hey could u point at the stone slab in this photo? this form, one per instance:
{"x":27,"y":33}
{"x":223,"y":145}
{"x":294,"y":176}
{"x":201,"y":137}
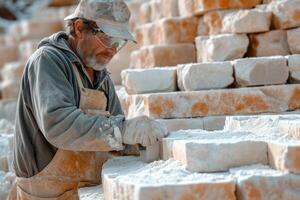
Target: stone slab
{"x":8,"y":54}
{"x":168,"y":31}
{"x":163,"y":55}
{"x":202,"y":76}
{"x":91,"y":193}
{"x":261,"y":71}
{"x":273,"y":99}
{"x":170,"y":8}
{"x":293,"y":40}
{"x":294,"y":68}
{"x":129,"y":178}
{"x":138,"y":81}
{"x":224,"y":47}
{"x":207,"y":151}
{"x":27,"y":48}
{"x":13,"y":70}
{"x":268,"y":44}
{"x":198,"y":7}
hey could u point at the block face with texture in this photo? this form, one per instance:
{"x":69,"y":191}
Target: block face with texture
{"x":268,"y":44}
{"x":12,"y":70}
{"x":293,"y":40}
{"x":201,"y":76}
{"x":239,"y":101}
{"x":170,"y":8}
{"x":261,"y":71}
{"x":238,"y":21}
{"x":221,"y":47}
{"x":285,"y":156}
{"x":198,"y":7}
{"x":294,"y":68}
{"x":207,"y":153}
{"x":168,"y":31}
{"x":286,"y":13}
{"x":140,"y":181}
{"x":163,"y":55}
{"x":7,"y":54}
{"x":138,"y":81}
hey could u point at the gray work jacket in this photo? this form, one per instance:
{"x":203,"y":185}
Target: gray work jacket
{"x":48,"y":115}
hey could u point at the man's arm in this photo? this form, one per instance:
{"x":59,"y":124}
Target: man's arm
{"x":62,"y":123}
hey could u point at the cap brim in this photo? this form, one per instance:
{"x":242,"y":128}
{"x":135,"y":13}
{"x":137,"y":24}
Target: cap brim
{"x":70,"y":17}
{"x":120,"y":31}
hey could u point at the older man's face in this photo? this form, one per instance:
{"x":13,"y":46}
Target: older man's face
{"x":93,"y":52}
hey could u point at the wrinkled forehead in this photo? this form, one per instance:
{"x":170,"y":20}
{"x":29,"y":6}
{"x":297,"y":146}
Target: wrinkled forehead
{"x":106,"y":9}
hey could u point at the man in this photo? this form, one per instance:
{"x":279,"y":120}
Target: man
{"x":69,"y":116}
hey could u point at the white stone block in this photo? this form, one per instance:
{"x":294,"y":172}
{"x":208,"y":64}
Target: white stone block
{"x":221,"y":47}
{"x":150,"y":153}
{"x":261,"y":71}
{"x":27,"y":48}
{"x":91,"y":193}
{"x":203,"y":76}
{"x":293,"y":40}
{"x":138,"y":81}
{"x":294,"y":68}
{"x":13,"y":70}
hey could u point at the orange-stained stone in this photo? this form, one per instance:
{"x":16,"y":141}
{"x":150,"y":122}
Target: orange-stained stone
{"x":294,"y":158}
{"x":255,"y":103}
{"x":295,"y":99}
{"x":253,"y":191}
{"x":200,"y":108}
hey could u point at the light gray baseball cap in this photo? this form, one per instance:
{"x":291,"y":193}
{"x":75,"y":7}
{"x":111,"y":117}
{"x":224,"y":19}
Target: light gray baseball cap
{"x":111,"y":16}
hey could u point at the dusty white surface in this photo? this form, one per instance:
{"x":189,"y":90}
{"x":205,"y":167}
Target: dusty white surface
{"x":221,"y":47}
{"x":91,"y":193}
{"x":261,"y":71}
{"x":293,"y":40}
{"x":294,"y":67}
{"x":138,"y":81}
{"x":202,"y":76}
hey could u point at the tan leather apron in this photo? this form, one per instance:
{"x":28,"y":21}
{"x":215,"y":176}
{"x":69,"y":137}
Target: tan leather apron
{"x":68,"y":170}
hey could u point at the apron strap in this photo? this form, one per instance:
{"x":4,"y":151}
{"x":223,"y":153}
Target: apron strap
{"x":78,"y":77}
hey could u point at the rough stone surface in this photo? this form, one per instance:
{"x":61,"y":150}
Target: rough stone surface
{"x":198,"y":7}
{"x":13,"y":70}
{"x":202,"y":76}
{"x":91,"y":193}
{"x":206,"y":153}
{"x":261,"y":71}
{"x":129,"y":178}
{"x":138,"y":81}
{"x":203,"y":28}
{"x":163,"y":55}
{"x":263,"y":183}
{"x":7,"y":54}
{"x":168,"y":31}
{"x":268,"y":44}
{"x":274,"y":99}
{"x":238,"y":21}
{"x":27,"y":48}
{"x":170,"y":8}
{"x":286,"y":13}
{"x":221,"y":47}
{"x":293,"y":40}
{"x":294,"y":68}
{"x":151,"y":11}
{"x":285,"y":157}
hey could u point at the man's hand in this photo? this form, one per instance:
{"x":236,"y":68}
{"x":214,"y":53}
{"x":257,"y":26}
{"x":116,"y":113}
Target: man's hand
{"x":143,"y":130}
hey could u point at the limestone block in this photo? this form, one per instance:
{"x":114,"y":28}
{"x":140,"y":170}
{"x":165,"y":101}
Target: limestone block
{"x":135,"y":9}
{"x":91,"y":193}
{"x":268,"y":44}
{"x":151,"y":153}
{"x":10,"y":89}
{"x":261,"y":71}
{"x":202,"y":28}
{"x":198,"y":7}
{"x":37,"y":29}
{"x":286,"y":13}
{"x":221,"y":47}
{"x":7,"y":54}
{"x":213,"y":123}
{"x":168,"y":31}
{"x":27,"y":48}
{"x":285,"y":156}
{"x":151,"y":11}
{"x":163,"y":55}
{"x":8,"y":109}
{"x":58,"y":3}
{"x":214,"y":20}
{"x":13,"y":70}
{"x":247,"y":21}
{"x":293,"y":40}
{"x":202,"y":76}
{"x":208,"y":156}
{"x":129,"y":178}
{"x":145,"y":13}
{"x":274,"y":99}
{"x":294,"y":68}
{"x":261,"y":182}
{"x":138,"y":81}
{"x":170,"y":8}
{"x":7,"y":40}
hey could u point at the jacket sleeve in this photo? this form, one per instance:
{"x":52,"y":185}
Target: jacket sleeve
{"x":63,"y":124}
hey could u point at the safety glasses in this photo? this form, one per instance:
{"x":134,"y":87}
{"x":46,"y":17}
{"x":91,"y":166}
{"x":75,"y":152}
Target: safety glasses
{"x":108,"y":41}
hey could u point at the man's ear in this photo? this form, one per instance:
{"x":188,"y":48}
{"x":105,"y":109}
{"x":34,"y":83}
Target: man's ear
{"x":78,"y":27}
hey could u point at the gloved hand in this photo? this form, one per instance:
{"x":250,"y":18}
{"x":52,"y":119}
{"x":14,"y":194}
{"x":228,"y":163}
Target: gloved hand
{"x":143,"y":130}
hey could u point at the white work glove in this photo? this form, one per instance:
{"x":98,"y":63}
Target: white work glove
{"x":143,"y":130}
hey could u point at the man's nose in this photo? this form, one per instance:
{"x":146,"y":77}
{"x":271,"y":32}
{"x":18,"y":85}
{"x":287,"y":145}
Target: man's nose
{"x":112,"y":50}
